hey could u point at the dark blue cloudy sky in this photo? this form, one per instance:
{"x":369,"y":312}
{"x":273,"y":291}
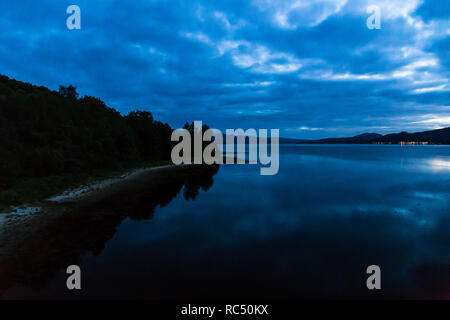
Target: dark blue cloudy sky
{"x":308,"y":67}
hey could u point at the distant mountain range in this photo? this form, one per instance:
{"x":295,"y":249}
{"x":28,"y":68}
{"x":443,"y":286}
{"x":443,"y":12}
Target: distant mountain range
{"x":439,"y":136}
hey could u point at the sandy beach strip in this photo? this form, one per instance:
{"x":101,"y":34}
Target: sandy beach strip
{"x":104,"y":188}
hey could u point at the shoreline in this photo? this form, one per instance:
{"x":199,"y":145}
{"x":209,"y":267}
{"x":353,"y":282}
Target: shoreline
{"x":84,"y":219}
{"x":102,"y":189}
{"x":96,"y":190}
{"x":97,"y":187}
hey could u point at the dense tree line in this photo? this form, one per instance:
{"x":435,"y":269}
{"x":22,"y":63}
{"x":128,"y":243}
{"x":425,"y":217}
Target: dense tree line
{"x":44,"y":132}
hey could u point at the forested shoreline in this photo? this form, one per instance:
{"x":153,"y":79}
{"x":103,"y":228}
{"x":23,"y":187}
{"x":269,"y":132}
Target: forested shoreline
{"x":51,"y":139}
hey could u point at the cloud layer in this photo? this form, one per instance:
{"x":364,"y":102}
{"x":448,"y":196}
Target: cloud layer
{"x":311,"y":68}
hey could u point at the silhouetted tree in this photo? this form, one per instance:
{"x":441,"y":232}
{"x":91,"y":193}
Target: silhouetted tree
{"x":68,"y":92}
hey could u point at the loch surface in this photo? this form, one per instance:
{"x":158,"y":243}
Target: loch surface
{"x":308,"y":232}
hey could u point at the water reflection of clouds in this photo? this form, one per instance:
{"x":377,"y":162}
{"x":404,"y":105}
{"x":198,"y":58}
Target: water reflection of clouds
{"x":438,"y":164}
{"x":329,"y":209}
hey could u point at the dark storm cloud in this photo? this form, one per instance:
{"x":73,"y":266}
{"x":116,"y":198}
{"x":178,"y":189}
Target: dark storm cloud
{"x":310,"y":68}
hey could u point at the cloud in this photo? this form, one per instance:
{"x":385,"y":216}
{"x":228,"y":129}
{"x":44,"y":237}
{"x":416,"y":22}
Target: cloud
{"x":290,"y":14}
{"x":431,"y":89}
{"x":265,"y":64}
{"x":304,"y":128}
{"x":433,"y":120}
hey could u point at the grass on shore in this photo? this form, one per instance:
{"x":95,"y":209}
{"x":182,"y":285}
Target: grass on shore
{"x":30,"y":191}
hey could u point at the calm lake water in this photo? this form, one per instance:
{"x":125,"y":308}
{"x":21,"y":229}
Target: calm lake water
{"x":309,"y":232}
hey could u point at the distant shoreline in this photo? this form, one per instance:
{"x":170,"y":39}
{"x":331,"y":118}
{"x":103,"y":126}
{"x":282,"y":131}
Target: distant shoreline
{"x":431,"y":137}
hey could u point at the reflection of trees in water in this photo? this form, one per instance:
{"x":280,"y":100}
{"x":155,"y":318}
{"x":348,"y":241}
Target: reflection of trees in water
{"x":57,"y":239}
{"x":192,"y":186}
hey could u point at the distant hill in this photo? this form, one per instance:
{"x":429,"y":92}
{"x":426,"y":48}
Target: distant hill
{"x":439,"y":136}
{"x":281,"y":140}
{"x":291,"y":141}
{"x":362,"y":138}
